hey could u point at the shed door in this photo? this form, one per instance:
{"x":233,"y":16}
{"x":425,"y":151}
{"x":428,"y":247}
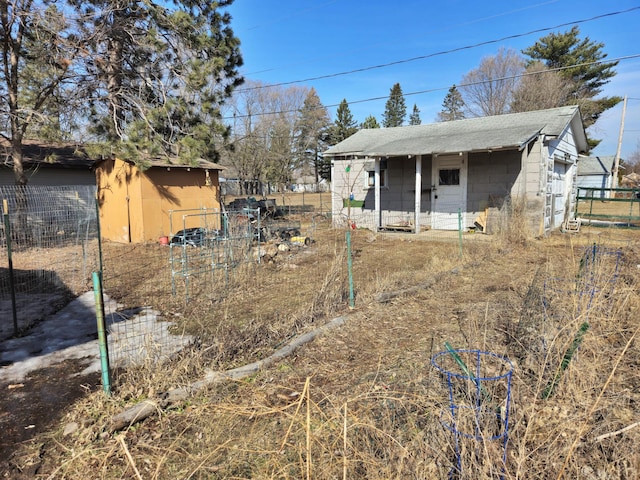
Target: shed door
{"x":448,"y":192}
{"x":559,"y":190}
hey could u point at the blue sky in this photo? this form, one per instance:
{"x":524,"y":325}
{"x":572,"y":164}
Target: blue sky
{"x":288,"y":41}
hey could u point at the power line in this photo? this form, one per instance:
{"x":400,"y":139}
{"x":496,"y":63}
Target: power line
{"x":444,"y":52}
{"x":377,"y":45}
{"x":431,"y":90}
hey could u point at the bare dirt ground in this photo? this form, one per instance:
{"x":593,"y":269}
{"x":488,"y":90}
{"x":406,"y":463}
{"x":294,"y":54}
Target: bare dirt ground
{"x":372,"y":377}
{"x":32,"y":407}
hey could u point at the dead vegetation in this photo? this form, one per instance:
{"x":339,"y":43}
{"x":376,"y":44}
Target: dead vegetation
{"x":363,"y":400}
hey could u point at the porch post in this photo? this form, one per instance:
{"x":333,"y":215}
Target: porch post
{"x":377,"y":192}
{"x":418,"y":196}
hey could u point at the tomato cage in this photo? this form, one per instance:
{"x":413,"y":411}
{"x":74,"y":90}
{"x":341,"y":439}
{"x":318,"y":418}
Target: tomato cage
{"x":479,"y":391}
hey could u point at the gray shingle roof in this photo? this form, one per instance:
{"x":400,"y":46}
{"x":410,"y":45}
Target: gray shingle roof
{"x":595,"y":165}
{"x":482,"y":133}
{"x":64,"y":156}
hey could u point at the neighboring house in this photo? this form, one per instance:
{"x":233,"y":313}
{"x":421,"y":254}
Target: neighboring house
{"x":306,"y":182}
{"x":595,"y":173}
{"x":631,"y":180}
{"x":48,"y":164}
{"x":231,"y":184}
{"x":423,"y":175}
{"x":136,"y":205}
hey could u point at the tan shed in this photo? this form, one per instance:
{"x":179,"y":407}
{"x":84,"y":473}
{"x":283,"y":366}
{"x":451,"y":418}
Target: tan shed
{"x":135,"y":205}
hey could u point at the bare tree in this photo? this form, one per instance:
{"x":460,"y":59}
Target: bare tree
{"x":263,"y":134}
{"x":488,"y":89}
{"x":632,"y":164}
{"x":247,"y":141}
{"x":540,"y":88}
{"x":38,"y":49}
{"x":282,"y":125}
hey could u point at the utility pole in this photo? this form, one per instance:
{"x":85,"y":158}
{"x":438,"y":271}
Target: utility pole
{"x":616,"y":161}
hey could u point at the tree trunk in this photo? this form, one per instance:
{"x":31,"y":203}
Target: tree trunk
{"x":20,"y":231}
{"x":114,"y":84}
{"x":16,"y":157}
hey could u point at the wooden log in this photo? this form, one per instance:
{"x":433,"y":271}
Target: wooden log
{"x":146,"y":408}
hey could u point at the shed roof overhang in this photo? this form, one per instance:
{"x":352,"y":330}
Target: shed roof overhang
{"x":201,"y":165}
{"x":446,"y":144}
{"x":510,"y":131}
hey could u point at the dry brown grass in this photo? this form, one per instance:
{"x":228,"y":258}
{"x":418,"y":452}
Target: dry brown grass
{"x":618,"y":210}
{"x":321,"y":201}
{"x":363,"y":401}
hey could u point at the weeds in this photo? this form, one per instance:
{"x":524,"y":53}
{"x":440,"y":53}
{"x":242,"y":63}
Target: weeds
{"x":362,"y":401}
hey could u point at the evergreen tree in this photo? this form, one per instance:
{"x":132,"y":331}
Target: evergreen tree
{"x":414,"y":118}
{"x":311,"y":133}
{"x":158,"y":74}
{"x":344,"y":125}
{"x":395,"y":109}
{"x":585,"y":69}
{"x":370,"y":122}
{"x":452,"y":106}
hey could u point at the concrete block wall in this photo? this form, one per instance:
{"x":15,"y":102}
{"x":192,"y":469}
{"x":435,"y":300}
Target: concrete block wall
{"x":491,"y":175}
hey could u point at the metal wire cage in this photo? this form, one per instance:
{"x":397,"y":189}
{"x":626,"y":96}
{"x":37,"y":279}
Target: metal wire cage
{"x":479,"y":398}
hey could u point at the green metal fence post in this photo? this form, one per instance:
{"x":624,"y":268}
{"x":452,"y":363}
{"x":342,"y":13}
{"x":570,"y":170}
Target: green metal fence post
{"x":350,"y":268}
{"x":99,"y":233}
{"x":577,"y":340}
{"x":102,"y":333}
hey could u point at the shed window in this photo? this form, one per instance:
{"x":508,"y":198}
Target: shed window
{"x":449,"y":176}
{"x":371,"y":178}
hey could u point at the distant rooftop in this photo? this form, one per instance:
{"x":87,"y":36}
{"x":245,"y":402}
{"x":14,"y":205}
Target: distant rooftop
{"x":595,"y":165}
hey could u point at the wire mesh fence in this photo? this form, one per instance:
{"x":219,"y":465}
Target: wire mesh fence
{"x":220,"y":273}
{"x":48,"y":249}
{"x":220,"y":242}
{"x":571,"y":306}
{"x":217,"y":275}
{"x":154,"y":284}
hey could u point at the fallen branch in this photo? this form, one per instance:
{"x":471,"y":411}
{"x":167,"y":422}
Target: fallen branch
{"x":148,"y":407}
{"x":599,"y":438}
